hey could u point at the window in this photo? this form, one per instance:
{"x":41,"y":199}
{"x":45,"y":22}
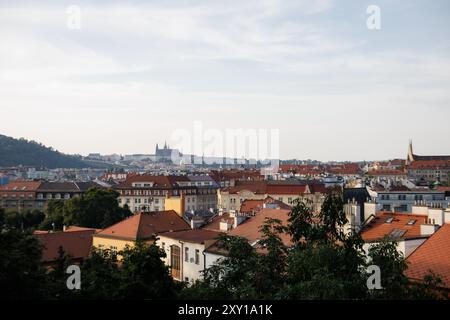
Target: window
{"x":411,"y":222}
{"x":163,"y":245}
{"x":186,"y":254}
{"x":197,"y":256}
{"x":397,"y":233}
{"x":389,"y":220}
{"x":186,"y":279}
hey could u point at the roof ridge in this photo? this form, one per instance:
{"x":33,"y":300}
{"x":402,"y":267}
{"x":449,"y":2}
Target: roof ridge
{"x":139,"y":225}
{"x":429,"y":238}
{"x":121,"y":221}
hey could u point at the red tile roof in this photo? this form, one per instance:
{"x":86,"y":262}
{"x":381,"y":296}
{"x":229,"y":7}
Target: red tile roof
{"x":249,"y":229}
{"x":433,"y":254}
{"x":193,"y":236}
{"x":214,"y":225}
{"x":287,"y":189}
{"x":347,"y":168}
{"x":77,"y":243}
{"x":305,"y":169}
{"x":145,"y":225}
{"x":378,"y":228}
{"x":386,"y":173}
{"x":233,"y":174}
{"x":254,"y":205}
{"x":20,"y":185}
{"x":76,"y":228}
{"x":257,"y":187}
{"x":430,"y":164}
{"x":159,"y":181}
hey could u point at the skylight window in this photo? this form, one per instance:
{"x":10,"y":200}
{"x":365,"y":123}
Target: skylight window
{"x":397,"y":233}
{"x":389,"y":220}
{"x":411,"y":222}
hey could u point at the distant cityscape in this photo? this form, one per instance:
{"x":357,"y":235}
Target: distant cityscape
{"x":207,"y":200}
{"x":225,"y":159}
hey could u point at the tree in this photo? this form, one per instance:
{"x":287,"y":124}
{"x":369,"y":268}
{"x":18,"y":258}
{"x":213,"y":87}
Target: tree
{"x":97,"y":208}
{"x":57,"y":276}
{"x":230,"y":278}
{"x":2,"y":217}
{"x":25,"y":219}
{"x":100,"y":276}
{"x":322,"y":263}
{"x":143,"y":274}
{"x":22,"y":275}
{"x":54,"y":215}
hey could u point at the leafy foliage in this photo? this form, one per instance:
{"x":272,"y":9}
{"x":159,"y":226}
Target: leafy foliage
{"x":322,"y":263}
{"x":25,"y":219}
{"x":22,"y":275}
{"x":97,"y":208}
{"x":14,"y":152}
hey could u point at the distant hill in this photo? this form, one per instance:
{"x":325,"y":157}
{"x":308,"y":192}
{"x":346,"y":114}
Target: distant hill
{"x":14,"y":152}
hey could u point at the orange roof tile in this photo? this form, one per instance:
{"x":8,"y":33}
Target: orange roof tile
{"x":386,"y":173}
{"x":193,"y":236}
{"x":249,"y":229}
{"x":214,"y":225}
{"x":254,"y":205}
{"x":433,"y":254}
{"x":77,"y":244}
{"x":287,"y":189}
{"x":19,"y":185}
{"x":145,"y":225}
{"x":430,"y":164}
{"x":378,"y":228}
{"x":257,"y":187}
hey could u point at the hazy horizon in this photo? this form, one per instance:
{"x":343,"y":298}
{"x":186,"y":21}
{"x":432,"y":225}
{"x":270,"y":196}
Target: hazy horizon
{"x":137,"y":71}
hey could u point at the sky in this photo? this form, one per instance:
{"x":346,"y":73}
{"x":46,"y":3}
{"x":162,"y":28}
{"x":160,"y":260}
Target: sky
{"x":137,"y":73}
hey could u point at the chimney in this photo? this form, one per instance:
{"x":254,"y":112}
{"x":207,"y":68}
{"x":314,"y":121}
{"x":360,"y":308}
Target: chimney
{"x":238,"y":219}
{"x":224,"y":225}
{"x":436,"y":214}
{"x":427,"y":229}
{"x":447,"y":215}
{"x":419,"y":209}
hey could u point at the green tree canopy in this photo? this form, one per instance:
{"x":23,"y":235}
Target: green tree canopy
{"x":97,"y":208}
{"x":322,"y":263}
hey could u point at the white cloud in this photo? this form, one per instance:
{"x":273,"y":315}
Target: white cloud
{"x":136,"y":71}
